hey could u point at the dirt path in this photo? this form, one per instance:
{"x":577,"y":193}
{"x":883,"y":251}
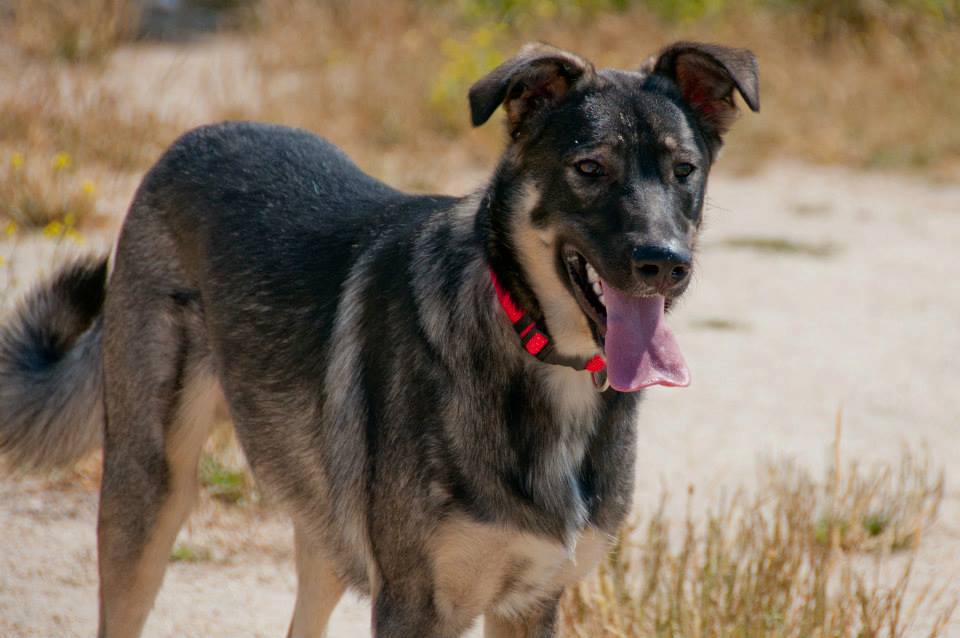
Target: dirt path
{"x":816,"y":289}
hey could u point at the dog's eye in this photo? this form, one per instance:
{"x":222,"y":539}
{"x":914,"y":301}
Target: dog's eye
{"x":683,"y":170}
{"x":590,"y":168}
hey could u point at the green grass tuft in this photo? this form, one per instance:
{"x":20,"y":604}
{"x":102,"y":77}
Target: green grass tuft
{"x":184,"y":553}
{"x":780,"y":246}
{"x":223,"y":483}
{"x":716,"y":323}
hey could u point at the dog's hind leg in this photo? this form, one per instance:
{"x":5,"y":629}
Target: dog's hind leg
{"x":318,"y":587}
{"x":160,"y":396}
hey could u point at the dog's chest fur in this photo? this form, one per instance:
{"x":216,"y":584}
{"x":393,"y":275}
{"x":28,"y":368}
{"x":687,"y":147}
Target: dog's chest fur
{"x":482,"y":566}
{"x":479,"y":567}
{"x":574,"y":402}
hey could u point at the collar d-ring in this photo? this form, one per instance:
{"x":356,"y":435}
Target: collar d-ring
{"x":600,"y":380}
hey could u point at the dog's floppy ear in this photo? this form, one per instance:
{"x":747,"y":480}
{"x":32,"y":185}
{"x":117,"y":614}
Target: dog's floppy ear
{"x":539,"y":76}
{"x":707,"y":74}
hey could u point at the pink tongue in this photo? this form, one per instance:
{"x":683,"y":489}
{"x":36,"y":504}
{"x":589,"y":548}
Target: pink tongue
{"x":640,"y":348}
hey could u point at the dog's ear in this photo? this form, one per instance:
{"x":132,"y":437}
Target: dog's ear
{"x":707,"y":74}
{"x":538,"y":77}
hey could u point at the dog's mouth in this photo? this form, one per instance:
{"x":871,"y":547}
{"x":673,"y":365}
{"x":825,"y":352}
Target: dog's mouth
{"x":587,"y":290}
{"x":639,"y":346}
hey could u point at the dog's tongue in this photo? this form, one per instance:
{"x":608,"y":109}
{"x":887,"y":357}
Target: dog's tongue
{"x":640,"y":348}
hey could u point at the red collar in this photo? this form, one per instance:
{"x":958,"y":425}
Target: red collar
{"x":536,"y":341}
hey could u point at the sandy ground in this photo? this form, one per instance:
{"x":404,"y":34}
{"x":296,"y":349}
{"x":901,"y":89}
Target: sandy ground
{"x":864,"y":317}
{"x":777,"y":343}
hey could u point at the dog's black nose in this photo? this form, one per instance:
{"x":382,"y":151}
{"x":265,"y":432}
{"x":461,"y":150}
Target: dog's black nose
{"x":661,"y":267}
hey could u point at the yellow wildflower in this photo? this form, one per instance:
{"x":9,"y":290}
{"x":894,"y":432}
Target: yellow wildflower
{"x":10,"y":229}
{"x":53,"y":229}
{"x":70,"y":220}
{"x":16,"y":161}
{"x":1,"y":260}
{"x":61,"y":160}
{"x":88,"y":187}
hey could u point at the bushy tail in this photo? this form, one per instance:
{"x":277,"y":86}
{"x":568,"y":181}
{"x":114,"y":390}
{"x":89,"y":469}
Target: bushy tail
{"x":51,"y":408}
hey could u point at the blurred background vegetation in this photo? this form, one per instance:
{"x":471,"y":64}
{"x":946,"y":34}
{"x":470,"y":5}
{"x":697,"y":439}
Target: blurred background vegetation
{"x":865,"y":83}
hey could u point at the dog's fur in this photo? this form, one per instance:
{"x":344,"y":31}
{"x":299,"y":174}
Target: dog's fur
{"x":375,"y":383}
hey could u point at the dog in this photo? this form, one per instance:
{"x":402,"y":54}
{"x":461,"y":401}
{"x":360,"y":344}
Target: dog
{"x":441,"y":391}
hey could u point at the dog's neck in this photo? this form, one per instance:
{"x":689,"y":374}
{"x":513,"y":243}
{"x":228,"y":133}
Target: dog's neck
{"x":493,"y":229}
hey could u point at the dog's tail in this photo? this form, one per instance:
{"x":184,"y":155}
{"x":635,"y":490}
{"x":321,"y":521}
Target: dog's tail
{"x":51,"y":408}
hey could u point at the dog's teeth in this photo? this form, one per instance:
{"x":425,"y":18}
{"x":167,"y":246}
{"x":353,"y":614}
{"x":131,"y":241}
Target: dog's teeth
{"x":592,"y":275}
{"x":598,"y":289}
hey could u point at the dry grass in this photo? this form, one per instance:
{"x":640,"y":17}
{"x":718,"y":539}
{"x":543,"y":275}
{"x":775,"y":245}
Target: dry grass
{"x":788,"y":561}
{"x":365,"y":77}
{"x":860,"y":87}
{"x":846,"y":82}
{"x":44,"y":194}
{"x":79,"y":30}
{"x":47,"y":109}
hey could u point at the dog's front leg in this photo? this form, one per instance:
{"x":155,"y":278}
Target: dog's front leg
{"x":406,"y":609}
{"x":540,"y":622}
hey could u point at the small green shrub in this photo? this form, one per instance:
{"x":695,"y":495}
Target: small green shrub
{"x":465,"y":62}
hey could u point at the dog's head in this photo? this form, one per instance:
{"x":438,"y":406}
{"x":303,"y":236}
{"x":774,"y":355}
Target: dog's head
{"x":604,"y":179}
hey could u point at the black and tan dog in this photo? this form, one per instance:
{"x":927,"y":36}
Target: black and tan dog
{"x":440,"y":390}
